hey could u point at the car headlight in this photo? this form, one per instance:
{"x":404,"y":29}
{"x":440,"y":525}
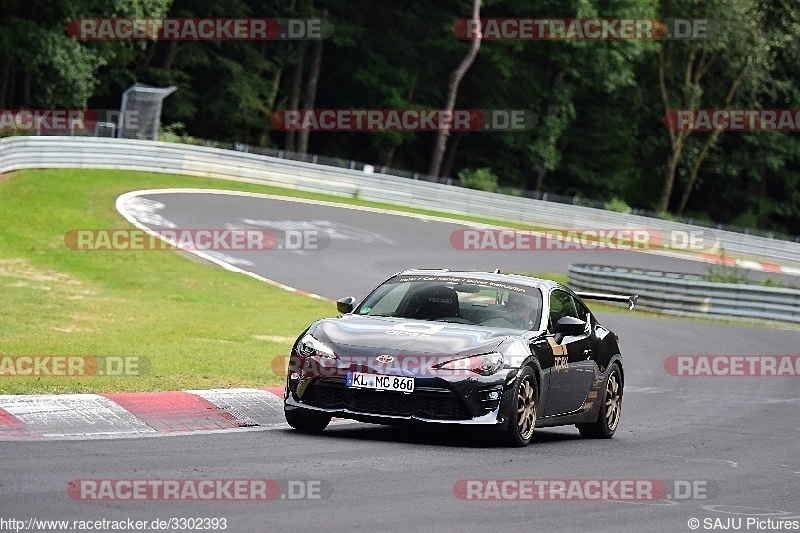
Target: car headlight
{"x":308,"y":346}
{"x":484,"y":365}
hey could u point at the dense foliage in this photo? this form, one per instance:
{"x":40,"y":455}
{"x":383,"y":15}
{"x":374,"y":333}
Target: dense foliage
{"x":599,"y":105}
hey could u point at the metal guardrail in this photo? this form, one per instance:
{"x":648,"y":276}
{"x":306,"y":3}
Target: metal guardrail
{"x":689,"y":295}
{"x":513,"y":191}
{"x":27,"y":152}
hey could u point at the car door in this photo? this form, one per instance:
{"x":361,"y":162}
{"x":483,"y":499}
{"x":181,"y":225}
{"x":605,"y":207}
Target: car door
{"x":573,"y":368}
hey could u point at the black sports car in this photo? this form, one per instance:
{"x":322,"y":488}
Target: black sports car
{"x":487,"y":350}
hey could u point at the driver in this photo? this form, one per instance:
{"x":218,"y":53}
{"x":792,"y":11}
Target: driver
{"x":519,"y":308}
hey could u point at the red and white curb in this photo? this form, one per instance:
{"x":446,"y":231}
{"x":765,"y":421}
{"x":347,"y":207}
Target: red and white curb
{"x":751,"y":265}
{"x":138,"y":414}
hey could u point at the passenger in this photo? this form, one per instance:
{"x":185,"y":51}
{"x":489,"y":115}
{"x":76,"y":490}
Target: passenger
{"x":519,"y":308}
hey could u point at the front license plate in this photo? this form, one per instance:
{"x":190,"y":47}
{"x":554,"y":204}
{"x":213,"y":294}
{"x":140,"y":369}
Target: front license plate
{"x":377,"y":382}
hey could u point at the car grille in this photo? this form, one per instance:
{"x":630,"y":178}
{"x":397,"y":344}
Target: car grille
{"x":444,"y":405}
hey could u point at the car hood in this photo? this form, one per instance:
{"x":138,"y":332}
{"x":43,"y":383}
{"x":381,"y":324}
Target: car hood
{"x":370,"y":335}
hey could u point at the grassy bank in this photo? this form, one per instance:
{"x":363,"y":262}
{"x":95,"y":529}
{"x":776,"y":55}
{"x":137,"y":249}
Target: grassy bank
{"x":196,"y":325}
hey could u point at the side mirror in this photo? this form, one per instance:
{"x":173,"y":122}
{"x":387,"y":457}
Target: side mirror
{"x":345,"y":305}
{"x":568,"y":326}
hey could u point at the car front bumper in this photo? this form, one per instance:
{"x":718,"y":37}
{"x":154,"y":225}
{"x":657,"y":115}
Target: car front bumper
{"x":464,"y":401}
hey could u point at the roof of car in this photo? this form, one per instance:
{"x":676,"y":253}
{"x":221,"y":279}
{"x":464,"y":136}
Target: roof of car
{"x":491,"y":276}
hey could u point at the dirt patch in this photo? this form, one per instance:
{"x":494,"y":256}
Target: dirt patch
{"x":35,"y":278}
{"x":22,"y":269}
{"x":69,"y":329}
{"x":274,"y":338}
{"x":8,"y":176}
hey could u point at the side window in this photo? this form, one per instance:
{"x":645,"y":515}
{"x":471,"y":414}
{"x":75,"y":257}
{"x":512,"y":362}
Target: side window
{"x":583,"y":311}
{"x":561,"y":305}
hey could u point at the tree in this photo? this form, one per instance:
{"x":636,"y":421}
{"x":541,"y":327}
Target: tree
{"x":710,"y":73}
{"x":452,"y":93}
{"x":44,"y":67}
{"x":311,"y":88}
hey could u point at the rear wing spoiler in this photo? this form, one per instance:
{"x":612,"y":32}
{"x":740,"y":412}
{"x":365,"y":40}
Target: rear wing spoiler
{"x":630,"y":300}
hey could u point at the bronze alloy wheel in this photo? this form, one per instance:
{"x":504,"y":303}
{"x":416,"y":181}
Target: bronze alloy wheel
{"x":523,"y":414}
{"x":613,"y":401}
{"x":610,"y":410}
{"x":526,"y":408}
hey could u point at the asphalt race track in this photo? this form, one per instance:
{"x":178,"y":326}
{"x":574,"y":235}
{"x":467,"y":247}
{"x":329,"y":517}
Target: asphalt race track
{"x":365,"y":247}
{"x":735,"y":437}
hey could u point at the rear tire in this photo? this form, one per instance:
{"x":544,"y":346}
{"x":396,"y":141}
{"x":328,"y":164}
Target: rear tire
{"x":610,"y":410}
{"x":524,"y":411}
{"x":308,"y":422}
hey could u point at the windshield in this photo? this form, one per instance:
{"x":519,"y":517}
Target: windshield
{"x":463,"y":301}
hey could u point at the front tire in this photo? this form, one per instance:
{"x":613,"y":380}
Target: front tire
{"x":524,"y":410}
{"x":610,"y":410}
{"x":303,"y":421}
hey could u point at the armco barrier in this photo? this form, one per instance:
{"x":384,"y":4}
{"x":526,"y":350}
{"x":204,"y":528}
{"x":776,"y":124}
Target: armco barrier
{"x":688,"y":295}
{"x":88,"y":152}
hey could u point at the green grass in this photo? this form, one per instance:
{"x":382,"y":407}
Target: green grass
{"x":199,"y":326}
